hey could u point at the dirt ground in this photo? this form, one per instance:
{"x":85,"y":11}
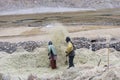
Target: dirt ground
{"x":41,"y":34}
{"x":26,"y":27}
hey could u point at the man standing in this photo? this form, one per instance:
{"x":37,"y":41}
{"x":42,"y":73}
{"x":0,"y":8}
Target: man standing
{"x":70,"y":52}
{"x":52,"y":55}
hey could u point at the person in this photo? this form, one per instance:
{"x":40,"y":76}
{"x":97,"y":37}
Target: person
{"x":93,"y":45}
{"x":52,"y":55}
{"x":70,"y":51}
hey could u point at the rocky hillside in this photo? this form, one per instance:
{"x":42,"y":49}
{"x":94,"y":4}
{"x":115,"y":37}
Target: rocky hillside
{"x":6,"y":5}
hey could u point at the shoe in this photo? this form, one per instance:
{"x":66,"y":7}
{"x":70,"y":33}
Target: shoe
{"x":68,"y":67}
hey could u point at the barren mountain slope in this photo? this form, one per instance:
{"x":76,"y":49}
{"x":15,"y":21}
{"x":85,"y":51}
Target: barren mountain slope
{"x":23,"y":4}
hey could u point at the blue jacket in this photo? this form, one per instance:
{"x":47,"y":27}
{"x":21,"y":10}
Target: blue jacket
{"x":52,"y":50}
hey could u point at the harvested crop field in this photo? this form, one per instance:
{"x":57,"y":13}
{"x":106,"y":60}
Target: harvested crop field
{"x":24,"y":40}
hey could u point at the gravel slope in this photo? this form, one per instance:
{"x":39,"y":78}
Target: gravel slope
{"x":33,"y":5}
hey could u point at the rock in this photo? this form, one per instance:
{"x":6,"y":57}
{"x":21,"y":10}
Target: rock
{"x":79,"y":42}
{"x":32,"y":77}
{"x":6,"y":77}
{"x":95,"y":44}
{"x":12,"y":47}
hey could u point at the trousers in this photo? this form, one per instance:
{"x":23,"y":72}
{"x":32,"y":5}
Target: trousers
{"x":71,"y":58}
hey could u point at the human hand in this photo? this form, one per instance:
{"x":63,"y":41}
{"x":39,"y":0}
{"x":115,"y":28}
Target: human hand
{"x":48,"y":54}
{"x":66,"y":52}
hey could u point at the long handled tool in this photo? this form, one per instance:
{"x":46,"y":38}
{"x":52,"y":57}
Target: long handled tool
{"x":66,"y":61}
{"x":99,"y":62}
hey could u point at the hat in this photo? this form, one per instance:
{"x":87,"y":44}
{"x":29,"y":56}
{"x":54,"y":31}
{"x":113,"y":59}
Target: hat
{"x":50,"y":43}
{"x":68,"y":39}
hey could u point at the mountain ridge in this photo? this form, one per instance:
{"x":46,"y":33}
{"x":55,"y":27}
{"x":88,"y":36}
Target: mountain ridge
{"x":13,"y":5}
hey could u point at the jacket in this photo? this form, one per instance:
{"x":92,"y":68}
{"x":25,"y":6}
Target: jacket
{"x":51,"y":50}
{"x":70,"y":50}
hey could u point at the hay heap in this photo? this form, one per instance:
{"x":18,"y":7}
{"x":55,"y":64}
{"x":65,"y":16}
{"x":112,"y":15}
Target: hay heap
{"x":87,"y":68}
{"x":22,"y":64}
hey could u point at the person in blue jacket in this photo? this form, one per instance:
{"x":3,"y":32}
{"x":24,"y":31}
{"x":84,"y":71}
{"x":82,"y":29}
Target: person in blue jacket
{"x":52,"y":55}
